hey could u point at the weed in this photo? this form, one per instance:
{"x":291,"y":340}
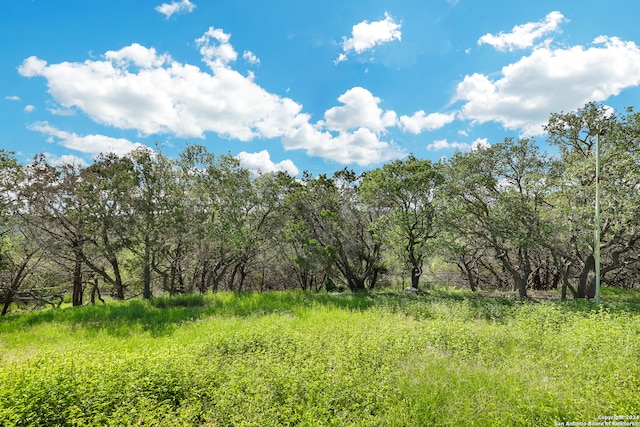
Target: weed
{"x":447,"y":357}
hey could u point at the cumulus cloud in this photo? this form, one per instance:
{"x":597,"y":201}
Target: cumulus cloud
{"x":361,"y":146}
{"x":349,"y":133}
{"x":32,"y":66}
{"x":66,"y":159}
{"x":12,"y":98}
{"x":141,"y":89}
{"x":443,"y":144}
{"x":360,"y":110}
{"x":215,"y":48}
{"x":524,"y":36}
{"x":367,"y":35}
{"x":250,"y":57}
{"x":168,"y":9}
{"x":137,"y":55}
{"x":137,"y":88}
{"x":420,"y":121}
{"x":91,"y":144}
{"x":29,"y":108}
{"x":261,"y":162}
{"x":548,"y":80}
{"x":480,"y":144}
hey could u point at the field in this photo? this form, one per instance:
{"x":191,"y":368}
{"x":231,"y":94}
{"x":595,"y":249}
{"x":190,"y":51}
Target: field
{"x":445,"y":358}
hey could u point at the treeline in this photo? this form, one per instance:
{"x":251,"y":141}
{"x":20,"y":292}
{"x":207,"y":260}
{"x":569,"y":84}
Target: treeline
{"x":505,"y":216}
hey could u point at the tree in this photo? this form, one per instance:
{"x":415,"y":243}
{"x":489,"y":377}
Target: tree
{"x":106,"y":188}
{"x":574,"y":134}
{"x":342,"y":228}
{"x":403,"y":190}
{"x":56,"y":209}
{"x":496,"y":196}
{"x":156,"y":210}
{"x":10,"y":176}
{"x":309,"y":261}
{"x":219,"y":194}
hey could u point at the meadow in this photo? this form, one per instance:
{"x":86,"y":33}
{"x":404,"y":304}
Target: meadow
{"x":444,"y":358}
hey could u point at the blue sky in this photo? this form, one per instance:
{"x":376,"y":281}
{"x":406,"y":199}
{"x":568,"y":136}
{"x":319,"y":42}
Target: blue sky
{"x":292,"y":85}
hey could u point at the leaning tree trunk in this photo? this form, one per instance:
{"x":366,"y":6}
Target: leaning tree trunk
{"x":519,"y":278}
{"x":466,"y":270}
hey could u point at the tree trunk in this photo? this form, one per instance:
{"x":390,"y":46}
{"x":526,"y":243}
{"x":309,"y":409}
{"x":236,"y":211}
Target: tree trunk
{"x":522,"y":287}
{"x":77,"y":276}
{"x":95,"y":290}
{"x":356,"y":284}
{"x":146,"y":273}
{"x":118,"y":279}
{"x":416,"y":272}
{"x":519,"y":279}
{"x":15,"y":284}
{"x":468,"y":273}
{"x":8,"y":299}
{"x":585,"y":288}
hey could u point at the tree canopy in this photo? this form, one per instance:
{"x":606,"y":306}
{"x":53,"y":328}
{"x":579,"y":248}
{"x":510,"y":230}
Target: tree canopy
{"x":507,"y":216}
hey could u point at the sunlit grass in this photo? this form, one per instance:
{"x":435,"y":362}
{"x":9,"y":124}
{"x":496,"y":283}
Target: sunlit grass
{"x":448,"y":357}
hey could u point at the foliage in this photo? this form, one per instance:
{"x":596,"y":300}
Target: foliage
{"x":575,"y":135}
{"x":450,"y":357}
{"x":404,"y":190}
{"x":508,"y":216}
{"x":497,"y":197}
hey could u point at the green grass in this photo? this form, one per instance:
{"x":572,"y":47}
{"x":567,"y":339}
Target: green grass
{"x":290,"y":358}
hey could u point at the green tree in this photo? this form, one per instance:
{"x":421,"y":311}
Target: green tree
{"x":309,"y":261}
{"x":156,"y":210}
{"x":403,"y":191}
{"x":106,"y":188}
{"x":343,"y":228}
{"x":56,"y":209}
{"x":574,"y":134}
{"x":496,"y":197}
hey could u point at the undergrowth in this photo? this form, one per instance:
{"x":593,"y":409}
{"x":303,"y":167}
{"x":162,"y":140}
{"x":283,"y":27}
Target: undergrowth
{"x":447,"y":357}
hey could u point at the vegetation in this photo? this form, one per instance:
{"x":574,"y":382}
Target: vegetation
{"x":508,"y":217}
{"x":449,"y":357}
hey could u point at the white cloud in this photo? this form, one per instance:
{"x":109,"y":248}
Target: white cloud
{"x":29,"y":108}
{"x":480,"y":144}
{"x":32,"y":66}
{"x":250,"y":57}
{"x":349,"y":133}
{"x":361,"y":146}
{"x":92,"y":144}
{"x":443,"y":144}
{"x":215,"y":48}
{"x":137,"y":55}
{"x":66,"y":112}
{"x":138,"y":88}
{"x":366,"y":35}
{"x":164,"y":96}
{"x":360,"y":109}
{"x":168,"y":9}
{"x":65,"y":159}
{"x":261,"y":162}
{"x":420,"y":121}
{"x":524,"y":36}
{"x":12,"y":98}
{"x":550,"y":80}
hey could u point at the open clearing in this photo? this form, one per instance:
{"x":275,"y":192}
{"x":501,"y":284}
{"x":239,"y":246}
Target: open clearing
{"x":448,"y":357}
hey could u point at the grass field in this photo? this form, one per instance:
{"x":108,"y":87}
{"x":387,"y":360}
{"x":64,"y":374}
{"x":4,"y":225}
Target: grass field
{"x":446,"y":358}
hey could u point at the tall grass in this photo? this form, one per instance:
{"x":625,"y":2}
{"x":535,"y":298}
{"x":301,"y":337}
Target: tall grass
{"x":293,"y":358}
